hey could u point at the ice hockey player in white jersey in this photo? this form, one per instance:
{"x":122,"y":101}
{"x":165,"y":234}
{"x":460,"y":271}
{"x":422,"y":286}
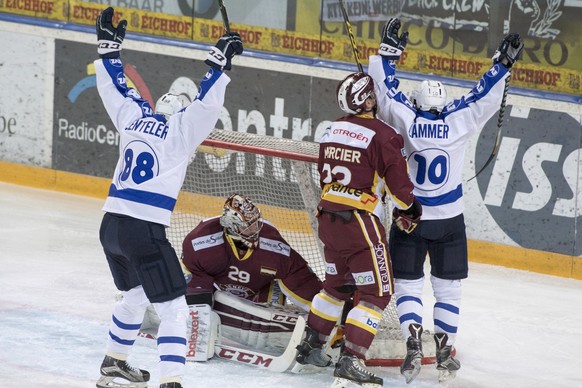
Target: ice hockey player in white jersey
{"x":436,"y":132}
{"x":155,"y":149}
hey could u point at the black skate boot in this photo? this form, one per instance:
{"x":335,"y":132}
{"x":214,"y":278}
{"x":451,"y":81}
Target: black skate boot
{"x":446,"y":364}
{"x":350,"y":368}
{"x":171,"y":385}
{"x":410,"y":368}
{"x":311,"y":350}
{"x":119,"y":374}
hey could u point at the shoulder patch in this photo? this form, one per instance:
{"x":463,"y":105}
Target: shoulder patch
{"x":208,"y":241}
{"x":274,"y":246}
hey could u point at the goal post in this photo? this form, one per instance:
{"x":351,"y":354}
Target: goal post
{"x":280,"y":176}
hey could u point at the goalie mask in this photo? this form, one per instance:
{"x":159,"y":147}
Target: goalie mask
{"x":241,"y":220}
{"x":353,"y":92}
{"x":170,"y":103}
{"x":430,"y":96}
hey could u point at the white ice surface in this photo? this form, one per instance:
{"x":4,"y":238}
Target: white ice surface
{"x":518,"y":329}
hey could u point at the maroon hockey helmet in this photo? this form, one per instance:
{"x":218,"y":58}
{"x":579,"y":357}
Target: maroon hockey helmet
{"x":353,"y":91}
{"x":241,"y":220}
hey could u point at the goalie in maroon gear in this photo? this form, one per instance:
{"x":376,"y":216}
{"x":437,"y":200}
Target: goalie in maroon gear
{"x":244,"y":254}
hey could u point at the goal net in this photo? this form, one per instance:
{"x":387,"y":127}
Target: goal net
{"x":280,"y":176}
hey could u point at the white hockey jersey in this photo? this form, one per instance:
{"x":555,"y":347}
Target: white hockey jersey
{"x":436,"y":143}
{"x":153,"y":153}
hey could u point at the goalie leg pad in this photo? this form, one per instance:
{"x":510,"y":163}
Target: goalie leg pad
{"x":267,"y":327}
{"x":204,"y":333}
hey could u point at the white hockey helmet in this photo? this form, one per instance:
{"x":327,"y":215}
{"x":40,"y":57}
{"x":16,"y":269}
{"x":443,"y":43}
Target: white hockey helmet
{"x":353,"y":91}
{"x":430,"y":95}
{"x":170,"y":103}
{"x":241,"y":220}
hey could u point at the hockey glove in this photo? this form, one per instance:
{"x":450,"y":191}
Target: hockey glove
{"x":509,"y":50}
{"x":221,"y":54}
{"x":406,"y":220}
{"x":109,"y":38}
{"x":392,"y":45}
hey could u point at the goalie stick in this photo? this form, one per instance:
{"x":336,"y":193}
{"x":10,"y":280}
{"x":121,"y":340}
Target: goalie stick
{"x":270,"y":362}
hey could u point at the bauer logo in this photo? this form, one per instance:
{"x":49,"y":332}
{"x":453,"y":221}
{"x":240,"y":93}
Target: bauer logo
{"x":363,"y":278}
{"x":532,"y":188}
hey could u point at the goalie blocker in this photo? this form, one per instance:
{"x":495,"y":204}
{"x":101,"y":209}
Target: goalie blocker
{"x":260,"y":335}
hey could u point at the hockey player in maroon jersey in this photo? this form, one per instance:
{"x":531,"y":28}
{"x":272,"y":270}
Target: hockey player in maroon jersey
{"x":361,"y":160}
{"x":240,"y":273}
{"x":244,"y":254}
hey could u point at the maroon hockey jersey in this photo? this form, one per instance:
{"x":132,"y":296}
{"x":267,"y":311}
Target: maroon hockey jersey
{"x":212,"y":259}
{"x":360,"y":158}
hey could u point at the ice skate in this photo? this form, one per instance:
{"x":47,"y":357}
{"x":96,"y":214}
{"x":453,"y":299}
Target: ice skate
{"x":350,"y":369}
{"x":171,"y":385}
{"x":119,"y":374}
{"x":310,"y":350}
{"x":410,"y":367}
{"x":446,"y":364}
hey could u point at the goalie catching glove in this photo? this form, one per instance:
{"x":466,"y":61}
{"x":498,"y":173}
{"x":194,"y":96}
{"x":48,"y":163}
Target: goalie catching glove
{"x":509,"y":50}
{"x":221,"y":54}
{"x":407,"y":220}
{"x":109,"y":38}
{"x":392,"y":45}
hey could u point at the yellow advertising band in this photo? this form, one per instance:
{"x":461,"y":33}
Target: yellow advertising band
{"x":479,"y":251}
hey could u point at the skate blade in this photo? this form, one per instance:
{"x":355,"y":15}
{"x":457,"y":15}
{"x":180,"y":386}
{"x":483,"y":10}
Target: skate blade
{"x":411,"y":373}
{"x":446,"y":375}
{"x":110,"y":382}
{"x":306,"y":368}
{"x":345,"y":383}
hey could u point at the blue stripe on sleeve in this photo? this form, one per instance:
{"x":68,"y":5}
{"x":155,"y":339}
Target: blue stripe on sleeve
{"x":114,"y":68}
{"x":208,"y":82}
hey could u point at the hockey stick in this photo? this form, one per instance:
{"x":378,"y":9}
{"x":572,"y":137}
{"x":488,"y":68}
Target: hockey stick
{"x":224,"y":16}
{"x":263,"y":360}
{"x":499,"y":126}
{"x":351,"y":34}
